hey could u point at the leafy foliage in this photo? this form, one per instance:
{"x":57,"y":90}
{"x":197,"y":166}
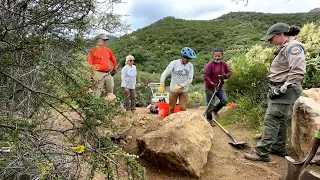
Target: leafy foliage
{"x":310,"y":37}
{"x":249,"y":74}
{"x":248,"y":87}
{"x":50,"y":122}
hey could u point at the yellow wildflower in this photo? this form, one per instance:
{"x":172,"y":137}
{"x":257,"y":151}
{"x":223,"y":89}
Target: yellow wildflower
{"x":43,"y":171}
{"x":48,"y":166}
{"x":79,"y":149}
{"x":90,"y":91}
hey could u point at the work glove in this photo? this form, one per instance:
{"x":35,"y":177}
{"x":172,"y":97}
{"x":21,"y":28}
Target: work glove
{"x":162,"y":88}
{"x":284,"y":87}
{"x":113,"y":72}
{"x":178,"y":88}
{"x":274,"y":92}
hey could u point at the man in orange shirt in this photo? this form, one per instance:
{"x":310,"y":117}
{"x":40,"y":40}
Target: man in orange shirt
{"x":99,"y":58}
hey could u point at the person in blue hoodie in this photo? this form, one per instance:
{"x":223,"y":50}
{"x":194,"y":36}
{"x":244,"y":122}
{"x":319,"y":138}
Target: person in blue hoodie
{"x":128,"y":83}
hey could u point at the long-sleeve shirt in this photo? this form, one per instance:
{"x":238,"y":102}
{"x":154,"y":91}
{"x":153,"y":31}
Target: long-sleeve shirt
{"x":129,"y":77}
{"x":212,"y":72}
{"x":181,"y":74}
{"x":100,"y":57}
{"x":289,"y":66}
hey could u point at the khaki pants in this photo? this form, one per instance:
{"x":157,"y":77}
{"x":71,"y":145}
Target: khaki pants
{"x":183,"y":100}
{"x":130,"y":99}
{"x":105,"y":82}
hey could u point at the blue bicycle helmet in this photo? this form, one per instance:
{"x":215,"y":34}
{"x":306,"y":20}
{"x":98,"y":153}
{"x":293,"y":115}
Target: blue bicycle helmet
{"x":188,"y":53}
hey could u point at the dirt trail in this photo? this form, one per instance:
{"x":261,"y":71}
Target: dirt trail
{"x":224,"y":162}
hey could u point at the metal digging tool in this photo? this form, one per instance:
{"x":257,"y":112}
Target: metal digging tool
{"x":296,"y":170}
{"x":236,"y":144}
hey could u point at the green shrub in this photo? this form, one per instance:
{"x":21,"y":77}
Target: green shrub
{"x":310,"y":37}
{"x":249,"y":76}
{"x":245,"y":112}
{"x":197,"y":96}
{"x":248,"y":87}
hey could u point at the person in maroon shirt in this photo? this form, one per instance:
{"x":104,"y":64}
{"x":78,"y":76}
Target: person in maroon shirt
{"x":217,"y":69}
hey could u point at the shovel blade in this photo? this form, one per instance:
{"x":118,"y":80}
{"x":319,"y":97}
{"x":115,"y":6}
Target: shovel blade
{"x":292,"y":170}
{"x":309,"y":175}
{"x":239,"y":144}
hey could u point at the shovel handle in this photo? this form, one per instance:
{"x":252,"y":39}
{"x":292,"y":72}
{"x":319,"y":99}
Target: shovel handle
{"x":312,"y":152}
{"x":220,"y":125}
{"x":316,"y":144}
{"x":234,"y":140}
{"x":214,"y":94}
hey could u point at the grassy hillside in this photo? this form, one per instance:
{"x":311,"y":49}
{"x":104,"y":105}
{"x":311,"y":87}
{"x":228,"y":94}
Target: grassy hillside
{"x":155,"y":45}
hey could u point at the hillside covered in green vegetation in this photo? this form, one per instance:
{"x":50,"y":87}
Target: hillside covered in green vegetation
{"x":156,"y":45}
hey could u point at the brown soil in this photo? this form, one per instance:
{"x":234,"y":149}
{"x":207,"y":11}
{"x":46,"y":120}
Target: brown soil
{"x":224,"y":161}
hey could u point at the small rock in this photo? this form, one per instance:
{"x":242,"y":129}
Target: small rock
{"x":129,"y":137}
{"x":141,"y":122}
{"x":273,"y":162}
{"x":122,"y":142}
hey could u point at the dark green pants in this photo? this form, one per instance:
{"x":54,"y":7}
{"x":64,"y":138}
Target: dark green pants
{"x":274,"y":132}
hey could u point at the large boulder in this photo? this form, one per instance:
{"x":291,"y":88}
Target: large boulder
{"x":182,"y":143}
{"x":313,"y":93}
{"x":305,"y":122}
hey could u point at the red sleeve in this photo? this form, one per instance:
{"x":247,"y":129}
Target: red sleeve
{"x":227,"y":70}
{"x":207,"y":73}
{"x":113,"y":60}
{"x":90,"y":57}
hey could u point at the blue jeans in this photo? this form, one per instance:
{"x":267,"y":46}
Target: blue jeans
{"x":221,"y":94}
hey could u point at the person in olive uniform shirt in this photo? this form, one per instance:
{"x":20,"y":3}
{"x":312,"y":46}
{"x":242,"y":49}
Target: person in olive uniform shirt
{"x":286,"y":73}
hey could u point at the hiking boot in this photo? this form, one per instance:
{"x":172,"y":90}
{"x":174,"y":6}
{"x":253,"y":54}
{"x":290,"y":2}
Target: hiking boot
{"x":277,"y":153}
{"x":254,"y":156}
{"x":212,"y":123}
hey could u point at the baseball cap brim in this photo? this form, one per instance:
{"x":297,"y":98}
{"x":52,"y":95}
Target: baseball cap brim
{"x":267,"y":37}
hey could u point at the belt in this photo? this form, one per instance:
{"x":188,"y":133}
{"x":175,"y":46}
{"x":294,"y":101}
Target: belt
{"x":276,"y":83}
{"x":103,"y":71}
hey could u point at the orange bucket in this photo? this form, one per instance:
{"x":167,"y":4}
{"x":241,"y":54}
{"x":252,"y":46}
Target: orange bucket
{"x":163,"y":110}
{"x":176,"y":108}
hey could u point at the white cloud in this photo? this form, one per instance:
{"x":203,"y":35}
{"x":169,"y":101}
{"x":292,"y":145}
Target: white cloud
{"x":144,"y":12}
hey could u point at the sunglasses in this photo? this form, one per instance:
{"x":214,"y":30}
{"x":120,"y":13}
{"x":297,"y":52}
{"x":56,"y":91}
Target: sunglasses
{"x":131,"y":60}
{"x":105,"y":39}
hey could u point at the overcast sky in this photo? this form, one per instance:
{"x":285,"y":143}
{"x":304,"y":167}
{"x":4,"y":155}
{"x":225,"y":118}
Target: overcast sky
{"x":142,"y":13}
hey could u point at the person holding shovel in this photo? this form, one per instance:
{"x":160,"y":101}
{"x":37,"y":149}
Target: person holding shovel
{"x":286,"y":73}
{"x":99,"y":59}
{"x":128,"y":83}
{"x":216,"y":71}
{"x":181,"y":72}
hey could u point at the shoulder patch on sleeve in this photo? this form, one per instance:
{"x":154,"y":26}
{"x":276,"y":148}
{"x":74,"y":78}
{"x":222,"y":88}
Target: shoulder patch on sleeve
{"x":295,"y":50}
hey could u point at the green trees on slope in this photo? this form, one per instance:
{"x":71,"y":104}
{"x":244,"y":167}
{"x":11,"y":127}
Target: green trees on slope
{"x":156,"y":45}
